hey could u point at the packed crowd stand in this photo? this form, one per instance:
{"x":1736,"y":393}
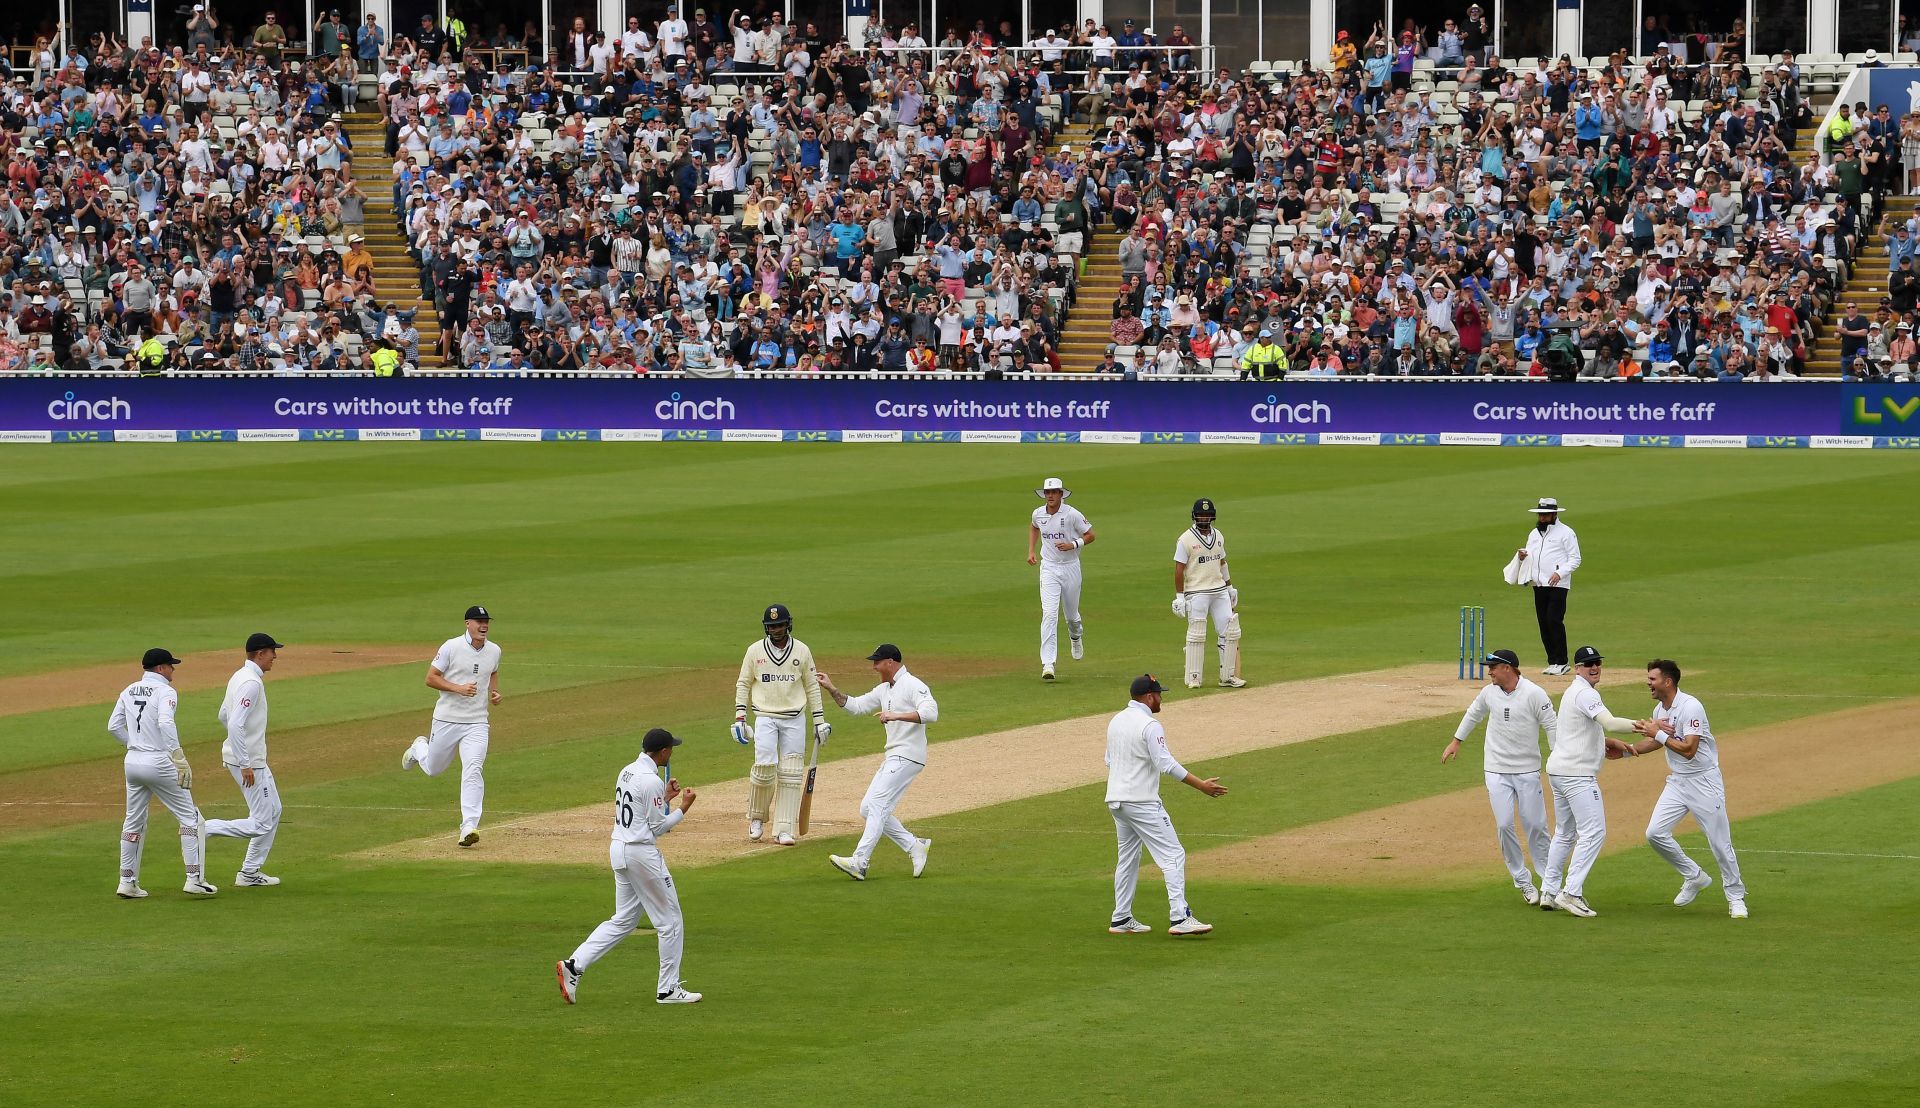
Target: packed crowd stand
{"x":726,"y":199}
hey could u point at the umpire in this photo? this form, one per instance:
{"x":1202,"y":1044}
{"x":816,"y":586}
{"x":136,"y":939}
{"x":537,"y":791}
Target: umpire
{"x":1547,"y":562}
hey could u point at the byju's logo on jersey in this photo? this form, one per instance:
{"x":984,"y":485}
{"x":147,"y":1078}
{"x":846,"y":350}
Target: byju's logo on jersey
{"x":678,"y":409}
{"x":769,"y":677}
{"x":70,"y":408}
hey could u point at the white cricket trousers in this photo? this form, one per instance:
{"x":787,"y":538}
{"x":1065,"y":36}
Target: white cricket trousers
{"x":469,"y":740}
{"x":1704,"y":797}
{"x":1059,"y":596}
{"x":883,"y":796}
{"x":640,"y":883}
{"x":1521,"y":792}
{"x":151,"y":775}
{"x":774,"y":736}
{"x":263,"y":817}
{"x":1579,"y":830}
{"x":1145,"y":822}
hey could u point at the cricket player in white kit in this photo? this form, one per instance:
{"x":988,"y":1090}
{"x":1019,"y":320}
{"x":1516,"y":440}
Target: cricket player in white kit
{"x":1136,"y":757}
{"x":1694,"y":787}
{"x":1060,"y":532}
{"x":466,"y":673}
{"x":905,"y":705}
{"x":143,"y":721}
{"x":641,"y":815}
{"x":1516,"y":712}
{"x":1202,"y":588}
{"x":776,"y":681}
{"x":1573,"y":772}
{"x":244,"y":714}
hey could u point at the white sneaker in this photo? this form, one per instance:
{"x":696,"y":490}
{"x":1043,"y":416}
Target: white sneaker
{"x":408,"y":760}
{"x":1692,"y":887}
{"x":1193,"y":680}
{"x":469,"y":834}
{"x":1190,"y":926}
{"x":569,"y":978}
{"x":1232,"y":683}
{"x":130,"y":890}
{"x":678,"y":995}
{"x":846,"y":866}
{"x":1128,"y":926}
{"x":197,"y":886}
{"x":783,"y":839}
{"x":1046,"y":673}
{"x":755,"y":829}
{"x":1076,"y":648}
{"x":1737,"y":909}
{"x":1547,"y":903}
{"x":254,"y":880}
{"x":1531,"y":895}
{"x":919,"y":855}
{"x":1574,"y":905}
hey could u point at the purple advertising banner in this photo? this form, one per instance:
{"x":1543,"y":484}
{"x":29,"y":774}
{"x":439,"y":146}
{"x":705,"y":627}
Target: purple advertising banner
{"x":91,"y":409}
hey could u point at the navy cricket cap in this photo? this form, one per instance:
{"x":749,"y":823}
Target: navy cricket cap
{"x":260,"y":640}
{"x":1586,"y":656}
{"x":1502,"y":657}
{"x":158,"y":657}
{"x":478,"y":612}
{"x":1144,"y":684}
{"x":885,"y":652}
{"x":658,"y":739}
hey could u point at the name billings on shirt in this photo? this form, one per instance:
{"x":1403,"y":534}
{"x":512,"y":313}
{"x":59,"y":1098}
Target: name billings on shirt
{"x":375,"y":406}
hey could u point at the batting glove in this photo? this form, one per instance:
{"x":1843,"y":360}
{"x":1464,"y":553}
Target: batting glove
{"x":740,"y":733}
{"x":1180,"y":605}
{"x":820,"y":732}
{"x":1233,"y":597}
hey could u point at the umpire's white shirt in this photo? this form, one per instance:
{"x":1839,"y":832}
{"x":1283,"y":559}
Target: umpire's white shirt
{"x":1137,"y":755}
{"x":1556,"y":550}
{"x":1514,"y":722}
{"x":1065,"y":525}
{"x":459,"y":662}
{"x":640,"y":813}
{"x":905,"y":693}
{"x":244,"y":712}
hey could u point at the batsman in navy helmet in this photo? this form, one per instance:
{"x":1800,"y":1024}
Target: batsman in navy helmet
{"x":1202,"y":589}
{"x":776,"y":682}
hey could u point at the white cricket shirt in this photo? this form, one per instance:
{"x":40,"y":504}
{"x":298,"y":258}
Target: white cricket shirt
{"x":142,"y":718}
{"x":459,"y":662}
{"x":1205,"y":557}
{"x":1580,"y":742}
{"x":244,"y":712}
{"x":1137,"y":755}
{"x":906,"y":693}
{"x":1514,"y":723}
{"x":1065,"y":525}
{"x":640,"y":813}
{"x":778,"y":682}
{"x":1690,"y":718}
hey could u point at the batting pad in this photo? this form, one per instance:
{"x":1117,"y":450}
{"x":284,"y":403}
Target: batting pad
{"x":759,"y":791}
{"x":786,"y":802}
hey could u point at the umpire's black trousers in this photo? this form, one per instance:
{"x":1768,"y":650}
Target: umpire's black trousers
{"x":1550,"y":608}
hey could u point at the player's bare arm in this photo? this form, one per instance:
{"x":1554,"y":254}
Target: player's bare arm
{"x":898,"y":717}
{"x":438,"y":682}
{"x":1451,"y":752}
{"x":493,"y":687}
{"x":826,"y":683}
{"x":1084,"y":540}
{"x":687,"y":797}
{"x":1211,"y":786}
{"x":1033,"y":539}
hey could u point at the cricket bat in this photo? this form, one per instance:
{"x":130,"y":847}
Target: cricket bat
{"x":806,"y":798}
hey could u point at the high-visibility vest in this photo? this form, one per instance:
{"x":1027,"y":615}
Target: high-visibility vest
{"x":152,"y":357}
{"x":385,"y":362}
{"x":1264,"y":358}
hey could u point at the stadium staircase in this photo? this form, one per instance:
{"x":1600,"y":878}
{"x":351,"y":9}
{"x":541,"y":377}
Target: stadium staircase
{"x":1866,"y":284}
{"x":395,"y":273}
{"x":1085,"y":334}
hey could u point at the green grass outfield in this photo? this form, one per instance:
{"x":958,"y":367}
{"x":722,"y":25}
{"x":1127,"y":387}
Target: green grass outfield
{"x":626,"y":580}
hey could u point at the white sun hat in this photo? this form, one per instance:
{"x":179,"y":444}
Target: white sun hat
{"x":1547,"y":504}
{"x":1052,"y":484}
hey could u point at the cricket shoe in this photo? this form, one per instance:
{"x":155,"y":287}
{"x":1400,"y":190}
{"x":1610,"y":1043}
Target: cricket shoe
{"x":197,"y":886}
{"x":846,"y":866}
{"x":677,"y":995}
{"x":569,"y":978}
{"x":1232,"y":683}
{"x":1692,"y":887}
{"x":755,"y":829}
{"x":919,"y":855}
{"x":130,"y":890}
{"x":1128,"y":926}
{"x":1046,"y":673}
{"x":469,"y":834}
{"x":1193,"y":680}
{"x":1547,"y":903}
{"x":1076,"y":648}
{"x":409,"y":759}
{"x":1574,"y":905}
{"x":1737,"y":909}
{"x":246,"y":880}
{"x":1190,"y":926}
{"x":783,"y":839}
{"x":1531,"y":895}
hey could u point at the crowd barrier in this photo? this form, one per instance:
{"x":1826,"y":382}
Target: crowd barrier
{"x":1481,"y":413}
